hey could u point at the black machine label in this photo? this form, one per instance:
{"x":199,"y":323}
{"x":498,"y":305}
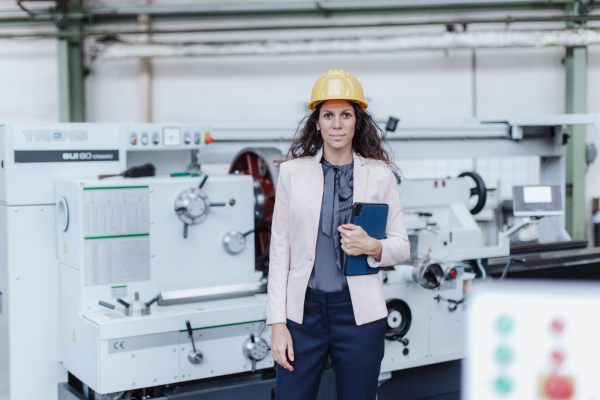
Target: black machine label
{"x":45,"y":156}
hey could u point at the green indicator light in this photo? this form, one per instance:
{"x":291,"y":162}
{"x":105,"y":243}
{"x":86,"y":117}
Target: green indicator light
{"x":504,"y":354}
{"x":197,"y":140}
{"x":504,"y":324}
{"x":504,"y":385}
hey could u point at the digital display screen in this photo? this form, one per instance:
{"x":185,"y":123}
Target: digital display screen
{"x":537,"y":194}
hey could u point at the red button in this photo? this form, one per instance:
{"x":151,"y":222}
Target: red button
{"x":558,"y":357}
{"x":209,"y":140}
{"x":557,"y":326}
{"x":559,"y":387}
{"x":133,"y":140}
{"x":452,"y":273}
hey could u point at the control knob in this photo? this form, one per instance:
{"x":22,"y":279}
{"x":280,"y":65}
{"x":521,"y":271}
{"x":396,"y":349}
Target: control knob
{"x":192,"y":206}
{"x":255,"y":349}
{"x":234,"y":242}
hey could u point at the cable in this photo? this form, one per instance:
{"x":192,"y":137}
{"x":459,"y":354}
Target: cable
{"x":481,"y":269}
{"x":511,"y":259}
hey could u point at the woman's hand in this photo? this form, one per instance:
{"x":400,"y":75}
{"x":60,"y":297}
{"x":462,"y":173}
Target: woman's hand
{"x":281,"y":345}
{"x":355,"y":241}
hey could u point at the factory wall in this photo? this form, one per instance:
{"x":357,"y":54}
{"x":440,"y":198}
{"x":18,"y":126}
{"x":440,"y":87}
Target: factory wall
{"x":429,"y":87}
{"x":28,"y":81}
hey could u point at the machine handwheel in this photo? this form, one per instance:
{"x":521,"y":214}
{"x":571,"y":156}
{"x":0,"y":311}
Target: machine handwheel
{"x":398,"y":320}
{"x":479,"y":190}
{"x":263,"y":165}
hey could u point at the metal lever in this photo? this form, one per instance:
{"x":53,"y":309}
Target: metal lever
{"x":452,"y":304}
{"x":194,"y":356}
{"x":108,"y":305}
{"x":246,"y":234}
{"x":218,"y":204}
{"x":403,"y":341}
{"x":253,"y":340}
{"x":123,"y":303}
{"x":185,"y":226}
{"x":154,"y":300}
{"x":203,"y":181}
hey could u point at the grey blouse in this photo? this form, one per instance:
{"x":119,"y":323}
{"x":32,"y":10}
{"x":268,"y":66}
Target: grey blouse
{"x":336,"y":209}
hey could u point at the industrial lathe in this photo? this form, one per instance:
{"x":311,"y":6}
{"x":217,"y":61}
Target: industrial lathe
{"x":154,"y":287}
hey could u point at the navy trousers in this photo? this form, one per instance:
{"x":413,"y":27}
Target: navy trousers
{"x":329,"y":328}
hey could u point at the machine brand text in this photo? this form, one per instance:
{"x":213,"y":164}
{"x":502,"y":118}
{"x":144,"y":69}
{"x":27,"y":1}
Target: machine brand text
{"x":55,"y":135}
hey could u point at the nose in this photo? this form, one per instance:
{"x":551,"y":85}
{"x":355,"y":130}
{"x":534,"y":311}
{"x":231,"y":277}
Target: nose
{"x":337,"y":122}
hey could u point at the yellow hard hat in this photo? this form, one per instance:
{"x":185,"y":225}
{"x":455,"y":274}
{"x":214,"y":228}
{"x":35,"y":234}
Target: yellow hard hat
{"x":337,"y":84}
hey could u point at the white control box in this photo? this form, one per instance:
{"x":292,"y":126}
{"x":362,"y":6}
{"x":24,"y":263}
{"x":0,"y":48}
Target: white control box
{"x":533,"y":340}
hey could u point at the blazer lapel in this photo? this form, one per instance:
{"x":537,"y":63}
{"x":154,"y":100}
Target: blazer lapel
{"x":361,"y":173}
{"x":315,"y":192}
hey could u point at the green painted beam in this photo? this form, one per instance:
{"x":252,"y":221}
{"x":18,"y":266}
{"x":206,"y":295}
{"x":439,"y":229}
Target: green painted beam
{"x":71,"y":73}
{"x":299,"y":9}
{"x":312,"y":9}
{"x":576,"y":102}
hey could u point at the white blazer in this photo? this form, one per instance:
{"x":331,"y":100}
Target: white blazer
{"x":294,"y":236}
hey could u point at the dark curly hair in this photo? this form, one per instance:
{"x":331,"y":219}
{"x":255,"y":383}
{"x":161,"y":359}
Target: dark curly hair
{"x":367,"y":142}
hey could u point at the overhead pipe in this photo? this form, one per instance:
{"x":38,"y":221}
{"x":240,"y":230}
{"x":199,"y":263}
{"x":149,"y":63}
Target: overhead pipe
{"x":285,"y":9}
{"x":455,"y":40}
{"x":330,"y":24}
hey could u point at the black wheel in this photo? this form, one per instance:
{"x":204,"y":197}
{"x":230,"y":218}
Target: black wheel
{"x":398,"y":320}
{"x":479,"y":190}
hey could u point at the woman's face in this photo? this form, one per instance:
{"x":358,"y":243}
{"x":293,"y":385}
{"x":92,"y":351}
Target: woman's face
{"x":337,"y":122}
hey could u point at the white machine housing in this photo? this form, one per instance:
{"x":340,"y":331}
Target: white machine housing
{"x":123,"y":237}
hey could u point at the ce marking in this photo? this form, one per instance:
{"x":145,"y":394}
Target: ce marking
{"x":118,"y":345}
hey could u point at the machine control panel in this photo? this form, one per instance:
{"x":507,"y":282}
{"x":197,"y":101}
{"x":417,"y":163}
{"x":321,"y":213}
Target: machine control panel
{"x":166,"y":137}
{"x":533,"y":341}
{"x":537,"y":201}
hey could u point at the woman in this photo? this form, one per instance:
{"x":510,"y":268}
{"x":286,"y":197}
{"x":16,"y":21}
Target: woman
{"x":313,"y":309}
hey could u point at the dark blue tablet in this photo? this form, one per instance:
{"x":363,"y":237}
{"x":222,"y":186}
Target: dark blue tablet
{"x":372,"y":217}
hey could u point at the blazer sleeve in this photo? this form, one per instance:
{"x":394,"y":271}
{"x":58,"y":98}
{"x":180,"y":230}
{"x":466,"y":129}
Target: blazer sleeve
{"x":279,"y":252}
{"x":395,"y":248}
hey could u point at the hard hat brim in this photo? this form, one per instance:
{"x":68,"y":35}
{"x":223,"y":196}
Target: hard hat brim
{"x":313,"y":104}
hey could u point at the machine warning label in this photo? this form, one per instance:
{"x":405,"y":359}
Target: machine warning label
{"x":40,"y":156}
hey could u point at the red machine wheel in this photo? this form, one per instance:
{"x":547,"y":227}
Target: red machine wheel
{"x":263,"y":165}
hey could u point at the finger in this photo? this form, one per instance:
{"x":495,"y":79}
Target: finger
{"x":344,"y":228}
{"x":350,"y":227}
{"x":287,"y":366}
{"x":350,"y":251}
{"x":343,"y":232}
{"x":345,"y":250}
{"x":282,"y":359}
{"x":290,"y":351}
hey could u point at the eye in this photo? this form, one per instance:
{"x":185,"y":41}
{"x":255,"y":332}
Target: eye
{"x":347,"y":115}
{"x":327,"y":115}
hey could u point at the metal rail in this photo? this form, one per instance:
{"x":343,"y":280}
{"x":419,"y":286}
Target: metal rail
{"x":320,"y":10}
{"x":292,"y":26}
